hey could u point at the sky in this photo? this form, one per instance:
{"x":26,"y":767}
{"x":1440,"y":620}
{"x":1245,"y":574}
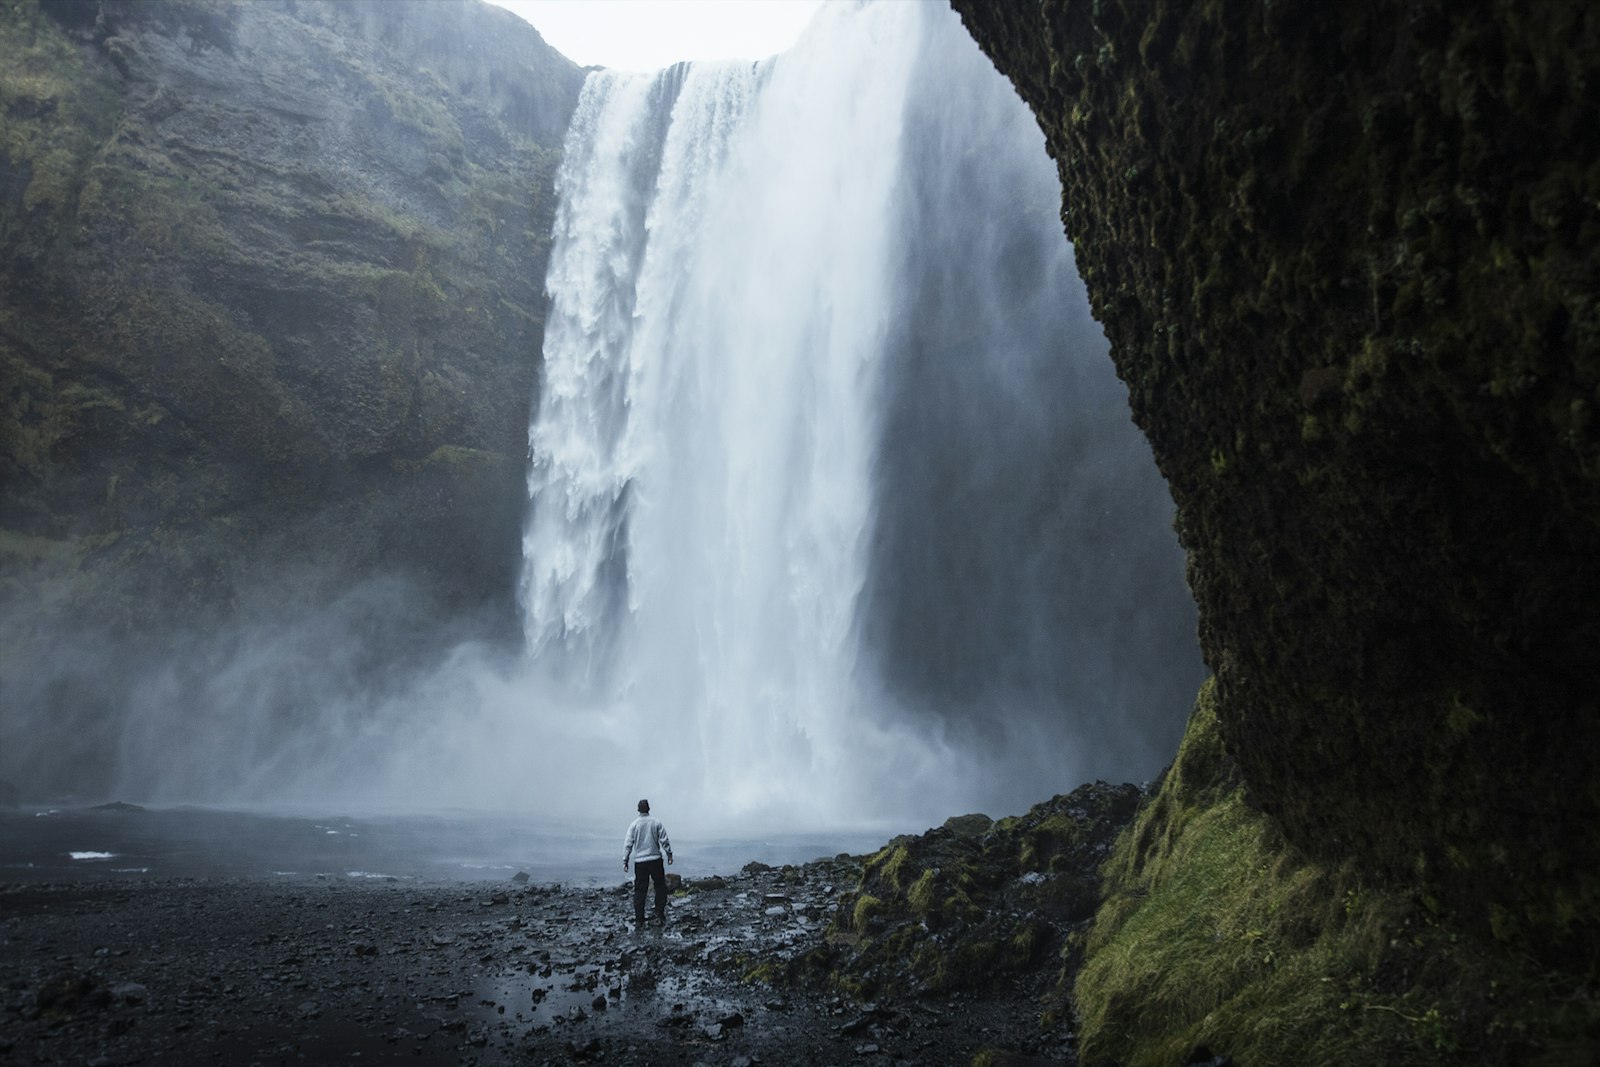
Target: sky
{"x":651,"y":34}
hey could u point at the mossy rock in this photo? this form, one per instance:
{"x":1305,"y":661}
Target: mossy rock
{"x":1343,"y":258}
{"x":1218,"y":933}
{"x":259,"y":335}
{"x":949,"y":910}
{"x":975,"y":825}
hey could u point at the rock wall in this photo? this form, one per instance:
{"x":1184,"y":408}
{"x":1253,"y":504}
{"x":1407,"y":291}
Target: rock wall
{"x":273,"y":298}
{"x":1348,"y":259}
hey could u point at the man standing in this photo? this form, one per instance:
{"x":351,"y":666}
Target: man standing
{"x":646,"y":842}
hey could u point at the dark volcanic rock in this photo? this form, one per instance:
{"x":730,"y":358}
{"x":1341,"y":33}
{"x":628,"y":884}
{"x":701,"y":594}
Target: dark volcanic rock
{"x":273,"y":278}
{"x":1348,"y":258}
{"x":262,"y":978}
{"x":945,"y":911}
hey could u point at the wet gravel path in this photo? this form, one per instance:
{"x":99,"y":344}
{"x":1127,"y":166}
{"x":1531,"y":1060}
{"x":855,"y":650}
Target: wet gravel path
{"x":349,"y":970}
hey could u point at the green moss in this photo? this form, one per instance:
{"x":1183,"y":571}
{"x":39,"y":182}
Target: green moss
{"x":765,"y":972}
{"x":950,"y":910}
{"x":887,"y":866}
{"x":1216,"y":932}
{"x":1351,"y":284}
{"x":922,"y":896}
{"x":866,"y":906}
{"x":58,"y":111}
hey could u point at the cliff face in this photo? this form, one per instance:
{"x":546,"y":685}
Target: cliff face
{"x":273,"y":297}
{"x":1348,"y":258}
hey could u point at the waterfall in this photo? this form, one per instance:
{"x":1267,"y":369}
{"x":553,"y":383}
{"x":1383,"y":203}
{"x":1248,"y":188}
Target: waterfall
{"x":722,"y":513}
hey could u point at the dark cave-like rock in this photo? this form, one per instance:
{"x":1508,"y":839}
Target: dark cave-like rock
{"x":1348,"y":259}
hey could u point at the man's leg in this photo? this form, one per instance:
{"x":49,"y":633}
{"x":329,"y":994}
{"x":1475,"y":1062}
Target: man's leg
{"x":658,"y":875}
{"x":641,"y":878}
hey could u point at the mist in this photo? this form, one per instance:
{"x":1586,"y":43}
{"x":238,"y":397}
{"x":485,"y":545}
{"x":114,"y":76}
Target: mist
{"x":835,"y":516}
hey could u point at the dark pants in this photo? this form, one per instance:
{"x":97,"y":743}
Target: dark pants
{"x":652,"y":871}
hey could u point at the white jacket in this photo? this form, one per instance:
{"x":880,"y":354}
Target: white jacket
{"x":646,"y":839}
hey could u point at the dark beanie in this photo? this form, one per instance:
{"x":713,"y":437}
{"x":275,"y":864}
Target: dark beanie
{"x":644,"y":807}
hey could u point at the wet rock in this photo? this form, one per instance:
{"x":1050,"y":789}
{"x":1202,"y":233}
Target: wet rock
{"x":71,"y":993}
{"x":969,"y":825}
{"x":116,"y":806}
{"x":598,"y":1003}
{"x":521,"y":878}
{"x":944,"y":910}
{"x":128,"y":993}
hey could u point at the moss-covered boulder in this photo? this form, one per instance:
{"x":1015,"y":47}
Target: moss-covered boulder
{"x":973,"y":902}
{"x":1348,"y":258}
{"x":273,"y":300}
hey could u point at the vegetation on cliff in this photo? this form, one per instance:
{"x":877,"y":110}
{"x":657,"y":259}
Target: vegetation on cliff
{"x":270,"y":269}
{"x":1218,"y":934}
{"x":1348,"y":258}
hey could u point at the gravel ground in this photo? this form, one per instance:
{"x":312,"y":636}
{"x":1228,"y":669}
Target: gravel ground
{"x":341,"y":970}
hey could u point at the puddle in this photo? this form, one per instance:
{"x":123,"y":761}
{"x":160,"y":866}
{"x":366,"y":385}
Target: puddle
{"x":553,"y":998}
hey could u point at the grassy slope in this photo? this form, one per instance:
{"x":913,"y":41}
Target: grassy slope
{"x":1216,"y":933}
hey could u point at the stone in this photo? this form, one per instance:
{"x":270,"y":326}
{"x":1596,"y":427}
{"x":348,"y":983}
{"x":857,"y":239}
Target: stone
{"x":129,"y":993}
{"x":968,"y":825}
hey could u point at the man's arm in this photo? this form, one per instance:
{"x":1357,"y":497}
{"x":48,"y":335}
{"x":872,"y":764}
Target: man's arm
{"x":627,"y":844}
{"x":666,"y":846}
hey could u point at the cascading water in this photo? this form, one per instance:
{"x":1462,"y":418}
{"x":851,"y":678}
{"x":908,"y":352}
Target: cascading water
{"x":702,"y":453}
{"x":736,"y":368}
{"x":836,"y":514}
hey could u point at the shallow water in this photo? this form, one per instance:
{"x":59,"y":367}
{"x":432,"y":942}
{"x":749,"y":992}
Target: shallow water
{"x":118,"y":841}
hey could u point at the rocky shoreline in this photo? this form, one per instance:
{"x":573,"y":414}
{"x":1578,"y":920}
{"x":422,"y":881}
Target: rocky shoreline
{"x":770,"y":965}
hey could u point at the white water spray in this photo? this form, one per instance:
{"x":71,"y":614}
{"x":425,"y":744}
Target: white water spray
{"x":702,"y":454}
{"x":836,"y":515}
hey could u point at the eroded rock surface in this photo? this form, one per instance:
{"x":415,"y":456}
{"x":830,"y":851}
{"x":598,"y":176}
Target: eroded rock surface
{"x":273,"y":279}
{"x":1348,"y":259}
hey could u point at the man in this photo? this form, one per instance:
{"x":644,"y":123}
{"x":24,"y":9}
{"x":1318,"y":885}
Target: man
{"x":645,"y":843}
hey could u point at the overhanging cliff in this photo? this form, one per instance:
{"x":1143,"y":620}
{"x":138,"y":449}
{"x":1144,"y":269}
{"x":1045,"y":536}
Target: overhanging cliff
{"x":1348,"y":258}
